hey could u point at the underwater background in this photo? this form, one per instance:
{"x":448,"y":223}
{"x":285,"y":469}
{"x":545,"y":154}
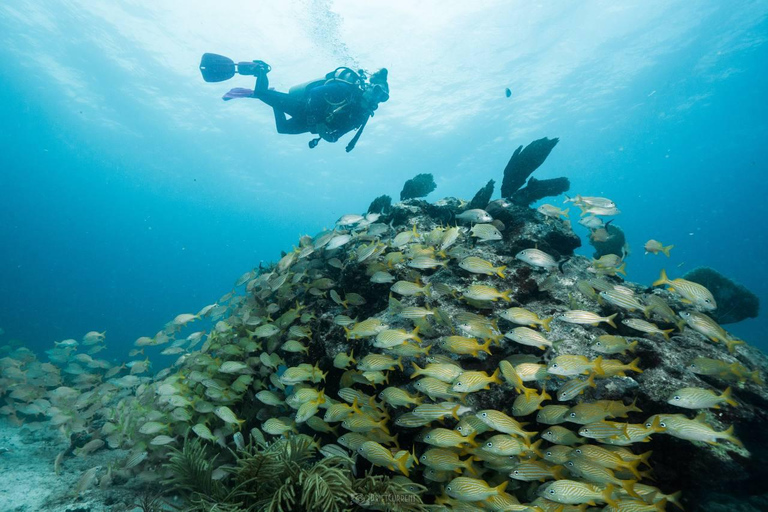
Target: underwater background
{"x":131,"y":192}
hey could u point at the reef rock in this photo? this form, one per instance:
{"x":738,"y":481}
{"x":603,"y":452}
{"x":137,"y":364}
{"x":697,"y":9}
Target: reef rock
{"x":614,"y":244}
{"x":523,"y":162}
{"x":736,"y":302}
{"x":297,"y":353}
{"x":418,"y":186}
{"x":483,"y":196}
{"x":382,"y":204}
{"x":535,"y":190}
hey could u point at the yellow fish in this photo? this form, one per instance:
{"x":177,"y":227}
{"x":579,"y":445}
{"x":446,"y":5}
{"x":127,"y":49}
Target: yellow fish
{"x":655,"y":247}
{"x":471,"y":381}
{"x":471,"y":489}
{"x":698,"y":398}
{"x":692,"y":293}
{"x":378,"y":455}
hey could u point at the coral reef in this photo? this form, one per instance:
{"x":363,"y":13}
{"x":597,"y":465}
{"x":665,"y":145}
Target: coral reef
{"x":418,"y":186}
{"x":738,"y":303}
{"x":523,"y":162}
{"x":535,"y":190}
{"x":482,"y":197}
{"x":382,"y":204}
{"x":309,"y":388}
{"x":615,"y":243}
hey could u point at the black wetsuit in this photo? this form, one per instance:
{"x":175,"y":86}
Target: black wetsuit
{"x":330,"y":110}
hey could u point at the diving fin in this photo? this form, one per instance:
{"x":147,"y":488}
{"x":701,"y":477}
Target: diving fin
{"x":216,"y":68}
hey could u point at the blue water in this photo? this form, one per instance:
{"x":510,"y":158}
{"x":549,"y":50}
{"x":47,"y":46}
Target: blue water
{"x":131,"y":193}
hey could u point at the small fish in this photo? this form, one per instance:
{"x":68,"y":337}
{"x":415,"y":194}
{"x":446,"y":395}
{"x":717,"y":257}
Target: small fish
{"x":655,"y":247}
{"x":532,"y":372}
{"x":378,"y":455}
{"x":647,"y":327}
{"x":512,"y":376}
{"x":591,"y":222}
{"x":204,"y":432}
{"x":586,"y":318}
{"x":462,"y":345}
{"x":708,"y":366}
{"x":381,"y":277}
{"x":507,"y":92}
{"x":696,"y":429}
{"x":608,"y":344}
{"x":184,"y":319}
{"x":366,"y":328}
{"x":435,"y":388}
{"x":561,"y":435}
{"x":86,"y":480}
{"x":449,"y":237}
{"x":227,"y":416}
{"x":445,"y":460}
{"x":363,"y":423}
{"x":389,"y":338}
{"x":603,"y":429}
{"x":471,"y":381}
{"x":532,"y":471}
{"x":426,"y":262}
{"x":605,"y":458}
{"x":441,"y":371}
{"x":692,"y":293}
{"x":485,"y":232}
{"x":552,"y":414}
{"x":437,"y":411}
{"x":529,"y":337}
{"x":410,"y":289}
{"x":528,"y":404}
{"x":264,"y":331}
{"x":379,"y":362}
{"x":269,"y":398}
{"x":590,"y":201}
{"x":161,"y":440}
{"x":278,"y":426}
{"x":585,"y":413}
{"x":500,"y":422}
{"x":415,"y":312}
{"x":483,"y":292}
{"x":621,"y":299}
{"x":600,"y":211}
{"x":600,"y":234}
{"x":660,"y":307}
{"x":294,"y":346}
{"x":522,"y":316}
{"x":337,"y":241}
{"x":571,"y":492}
{"x":552,"y":212}
{"x":698,"y":398}
{"x":233,"y":367}
{"x":397,"y":397}
{"x":349,"y":219}
{"x":536,"y":258}
{"x":480,"y":266}
{"x":471,"y":489}
{"x":557,"y":454}
{"x":568,"y":365}
{"x":703,"y":324}
{"x":153,"y":427}
{"x":613,"y":367}
{"x":476,"y":215}
{"x":574,"y":387}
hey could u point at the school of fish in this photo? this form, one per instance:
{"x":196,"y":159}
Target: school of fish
{"x":363,"y":337}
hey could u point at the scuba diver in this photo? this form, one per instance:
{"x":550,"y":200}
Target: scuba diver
{"x":330,"y":107}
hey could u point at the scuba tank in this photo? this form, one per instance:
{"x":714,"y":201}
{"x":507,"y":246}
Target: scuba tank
{"x":340,"y":74}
